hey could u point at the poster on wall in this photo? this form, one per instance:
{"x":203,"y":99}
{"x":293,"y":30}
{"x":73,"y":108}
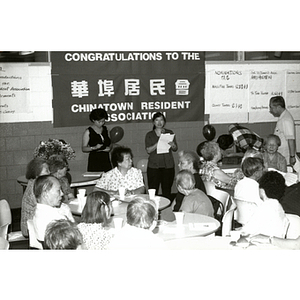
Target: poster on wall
{"x":25,"y":92}
{"x":240,"y":91}
{"x":130,"y":86}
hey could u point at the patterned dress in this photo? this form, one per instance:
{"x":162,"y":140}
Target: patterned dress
{"x":95,"y":236}
{"x":113,"y":179}
{"x":207,"y":174}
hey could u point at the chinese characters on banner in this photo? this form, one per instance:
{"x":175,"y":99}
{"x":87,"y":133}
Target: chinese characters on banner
{"x":130,"y":86}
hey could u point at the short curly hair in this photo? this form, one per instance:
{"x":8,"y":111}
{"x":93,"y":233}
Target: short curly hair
{"x":141,"y":213}
{"x":62,"y":234}
{"x":210,"y":150}
{"x":190,"y":157}
{"x":98,"y":114}
{"x":273,"y":183}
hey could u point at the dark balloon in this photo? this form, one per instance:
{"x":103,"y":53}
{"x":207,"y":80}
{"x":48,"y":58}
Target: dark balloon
{"x":199,"y":148}
{"x":116,"y":134}
{"x":209,"y":132}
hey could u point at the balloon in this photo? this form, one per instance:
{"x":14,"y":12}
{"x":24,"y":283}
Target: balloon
{"x":199,"y":148}
{"x":142,"y":165}
{"x":116,"y":134}
{"x":209,"y":132}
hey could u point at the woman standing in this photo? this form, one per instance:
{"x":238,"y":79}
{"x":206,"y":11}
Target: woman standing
{"x":96,"y":142}
{"x":161,"y":167}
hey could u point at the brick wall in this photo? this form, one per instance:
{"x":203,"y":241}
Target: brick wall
{"x":18,"y":141}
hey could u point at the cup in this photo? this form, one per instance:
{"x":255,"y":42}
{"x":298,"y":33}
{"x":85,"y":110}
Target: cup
{"x":179,"y":215}
{"x":81,"y":201}
{"x":118,"y":222}
{"x":81,"y":192}
{"x":151,"y":193}
{"x":122,"y":192}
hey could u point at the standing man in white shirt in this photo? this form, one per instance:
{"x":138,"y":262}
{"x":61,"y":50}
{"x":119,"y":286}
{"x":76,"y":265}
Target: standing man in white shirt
{"x":285,"y":128}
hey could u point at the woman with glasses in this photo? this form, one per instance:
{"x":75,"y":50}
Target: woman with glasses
{"x":122,"y":175}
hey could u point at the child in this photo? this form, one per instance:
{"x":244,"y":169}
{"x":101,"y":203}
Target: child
{"x":95,"y":219}
{"x":272,"y":158}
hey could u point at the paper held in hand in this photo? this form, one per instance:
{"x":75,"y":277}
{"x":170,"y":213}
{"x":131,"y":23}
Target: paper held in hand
{"x":163,"y":142}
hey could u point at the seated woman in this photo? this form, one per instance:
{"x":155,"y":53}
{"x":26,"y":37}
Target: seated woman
{"x":210,"y":171}
{"x":189,"y":160}
{"x":269,"y":218}
{"x":94,"y":221}
{"x":35,"y":168}
{"x":63,"y":235}
{"x":58,"y":167}
{"x":137,"y":233}
{"x":272,"y":158}
{"x":195,"y":200}
{"x":247,"y":189}
{"x":123,"y":174}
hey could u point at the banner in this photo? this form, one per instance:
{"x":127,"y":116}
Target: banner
{"x":130,"y":86}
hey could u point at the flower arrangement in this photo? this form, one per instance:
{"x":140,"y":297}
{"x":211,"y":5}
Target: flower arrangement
{"x":54,"y":146}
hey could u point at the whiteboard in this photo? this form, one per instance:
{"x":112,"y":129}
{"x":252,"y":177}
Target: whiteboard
{"x":25,"y":92}
{"x":240,"y":91}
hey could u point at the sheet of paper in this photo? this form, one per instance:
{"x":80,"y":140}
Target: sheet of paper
{"x":164,"y":139}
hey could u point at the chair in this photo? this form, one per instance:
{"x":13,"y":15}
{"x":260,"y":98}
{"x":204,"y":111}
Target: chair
{"x":209,"y":186}
{"x":228,"y":220}
{"x":244,"y":211}
{"x":4,"y":244}
{"x":220,"y":195}
{"x":5,"y":219}
{"x":293,"y":231}
{"x":33,"y":241}
{"x":3,"y":231}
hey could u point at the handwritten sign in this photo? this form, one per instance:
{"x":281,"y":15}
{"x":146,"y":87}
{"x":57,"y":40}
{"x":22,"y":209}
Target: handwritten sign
{"x":240,"y":92}
{"x":25,"y":92}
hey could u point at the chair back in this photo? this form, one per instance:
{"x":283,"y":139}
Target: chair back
{"x":5,"y":213}
{"x":4,"y":244}
{"x":228,"y":220}
{"x":33,"y":241}
{"x":3,"y":231}
{"x":209,"y":186}
{"x":293,"y":231}
{"x":244,"y":211}
{"x":220,"y":195}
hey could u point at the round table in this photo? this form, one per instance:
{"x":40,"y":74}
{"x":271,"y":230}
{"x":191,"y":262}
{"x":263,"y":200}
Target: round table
{"x":120,"y":207}
{"x":212,"y":243}
{"x":193,"y":225}
{"x":78,"y":179}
